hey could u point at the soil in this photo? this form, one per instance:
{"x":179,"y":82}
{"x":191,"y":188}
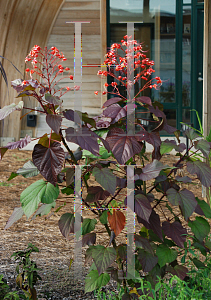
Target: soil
{"x":55,"y":251}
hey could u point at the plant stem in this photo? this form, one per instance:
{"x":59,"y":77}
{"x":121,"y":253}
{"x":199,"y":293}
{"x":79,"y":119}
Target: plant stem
{"x":68,"y":149}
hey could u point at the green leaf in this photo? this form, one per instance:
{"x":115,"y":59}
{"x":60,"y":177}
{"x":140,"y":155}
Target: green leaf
{"x":198,"y":263}
{"x":39,"y":191}
{"x":208,"y":138}
{"x":28,"y":170}
{"x":103,"y":257}
{"x":67,"y":190}
{"x":165,"y":255}
{"x":44,"y":209}
{"x":94,"y":281}
{"x":106,"y":179}
{"x":104,"y":218}
{"x":166,"y":148}
{"x":205,"y":207}
{"x":200,"y":227}
{"x":88,"y":225}
{"x":13,"y":175}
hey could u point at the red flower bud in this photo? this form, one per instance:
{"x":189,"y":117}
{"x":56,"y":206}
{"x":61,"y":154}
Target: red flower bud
{"x":71,"y":77}
{"x":27,"y":70}
{"x":96,"y":92}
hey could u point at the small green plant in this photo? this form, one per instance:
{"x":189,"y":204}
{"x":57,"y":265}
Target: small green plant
{"x":27,"y":271}
{"x":109,"y":295}
{"x":5,"y":293}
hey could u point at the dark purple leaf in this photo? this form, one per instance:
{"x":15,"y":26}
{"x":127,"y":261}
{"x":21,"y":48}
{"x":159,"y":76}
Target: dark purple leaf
{"x":72,"y":116}
{"x":199,"y":211}
{"x":55,"y":100}
{"x":150,"y":137}
{"x":191,"y":134}
{"x":142,"y":207}
{"x":122,"y":146}
{"x":89,"y":239}
{"x":158,"y":113}
{"x":121,"y":182}
{"x":202,"y":170}
{"x":185,"y":199}
{"x":179,"y":271}
{"x":184,"y":179}
{"x":144,"y":99}
{"x":23,"y":85}
{"x":205,"y":207}
{"x":122,"y":251}
{"x":96,"y":193}
{"x":115,"y":112}
{"x":112,"y":101}
{"x":147,"y":260}
{"x":143,"y":243}
{"x":103,"y":122}
{"x":66,"y":224}
{"x":19,"y":144}
{"x":70,"y":176}
{"x":83,"y":137}
{"x":203,"y":146}
{"x":49,"y":161}
{"x":86,"y":119}
{"x":176,"y":232}
{"x":7,"y":110}
{"x":154,"y":224}
{"x":152,"y":170}
{"x":54,"y":122}
{"x":106,"y":179}
{"x":16,"y":215}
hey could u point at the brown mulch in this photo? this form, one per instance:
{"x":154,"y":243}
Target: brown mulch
{"x":55,"y":251}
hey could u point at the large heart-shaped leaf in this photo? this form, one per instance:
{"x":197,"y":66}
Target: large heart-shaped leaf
{"x":39,"y":191}
{"x":176,"y":232}
{"x":66,"y":224}
{"x":165,"y":255}
{"x":205,"y":207}
{"x":54,"y":122}
{"x":142,"y":207}
{"x":89,"y":239}
{"x":6,"y":110}
{"x":28,"y":170}
{"x":143,"y":243}
{"x":88,"y":225}
{"x":147,"y":260}
{"x":203,"y":146}
{"x":55,"y":100}
{"x":152,"y":170}
{"x":122,"y":146}
{"x":105,"y":178}
{"x":116,"y":221}
{"x":49,"y":161}
{"x":96,"y":193}
{"x":72,"y":116}
{"x":103,"y":257}
{"x":184,"y":198}
{"x":16,"y":215}
{"x":154,"y":224}
{"x":93,"y":281}
{"x":200,"y":227}
{"x":19,"y":144}
{"x":179,"y":271}
{"x":191,"y":134}
{"x":115,"y":112}
{"x":202,"y":170}
{"x":85,"y":138}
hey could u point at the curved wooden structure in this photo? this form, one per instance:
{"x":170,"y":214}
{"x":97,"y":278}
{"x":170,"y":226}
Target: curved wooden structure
{"x":23,"y":23}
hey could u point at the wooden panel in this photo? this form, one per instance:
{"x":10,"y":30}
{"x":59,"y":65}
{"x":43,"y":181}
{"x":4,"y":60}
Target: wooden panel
{"x":70,"y":30}
{"x":85,"y":5}
{"x":61,"y":39}
{"x":62,"y":22}
{"x":79,"y":15}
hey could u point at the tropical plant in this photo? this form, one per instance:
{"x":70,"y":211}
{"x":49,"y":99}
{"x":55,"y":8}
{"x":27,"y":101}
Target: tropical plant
{"x":164,"y":206}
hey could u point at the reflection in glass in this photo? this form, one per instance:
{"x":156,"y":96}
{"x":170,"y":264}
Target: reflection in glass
{"x":186,"y":116}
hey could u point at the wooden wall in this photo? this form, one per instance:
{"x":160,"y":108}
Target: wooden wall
{"x":23,"y":23}
{"x":93,"y":51}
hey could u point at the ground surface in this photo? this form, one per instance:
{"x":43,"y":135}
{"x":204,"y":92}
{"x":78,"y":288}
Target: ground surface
{"x":55,"y":250}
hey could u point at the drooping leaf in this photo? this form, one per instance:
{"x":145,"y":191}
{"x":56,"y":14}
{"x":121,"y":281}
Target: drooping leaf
{"x":49,"y":161}
{"x":191,"y":134}
{"x":203,"y":146}
{"x":70,"y":173}
{"x":199,"y":264}
{"x":72,"y":116}
{"x":12,"y":175}
{"x":7,"y":110}
{"x":112,"y":101}
{"x":94,"y":281}
{"x":54,"y":122}
{"x":39,"y":191}
{"x":55,"y":100}
{"x":200,"y":227}
{"x":144,"y":100}
{"x":150,"y":137}
{"x":122,"y":146}
{"x":115,"y":112}
{"x":165,"y":254}
{"x":19,"y":144}
{"x":142,"y":207}
{"x":103,"y":257}
{"x":96,"y":193}
{"x":2,"y":152}
{"x":176,"y":232}
{"x":16,"y":215}
{"x":106,"y":179}
{"x":28,"y":170}
{"x":66,"y":224}
{"x":89,"y":239}
{"x":116,"y":221}
{"x":184,"y":198}
{"x":143,"y":243}
{"x":202,"y":170}
{"x":167,"y":146}
{"x":152,"y":170}
{"x":154,"y":224}
{"x":147,"y":260}
{"x":184,"y":179}
{"x":88,"y":225}
{"x":205,"y":207}
{"x":85,"y":138}
{"x":44,"y":209}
